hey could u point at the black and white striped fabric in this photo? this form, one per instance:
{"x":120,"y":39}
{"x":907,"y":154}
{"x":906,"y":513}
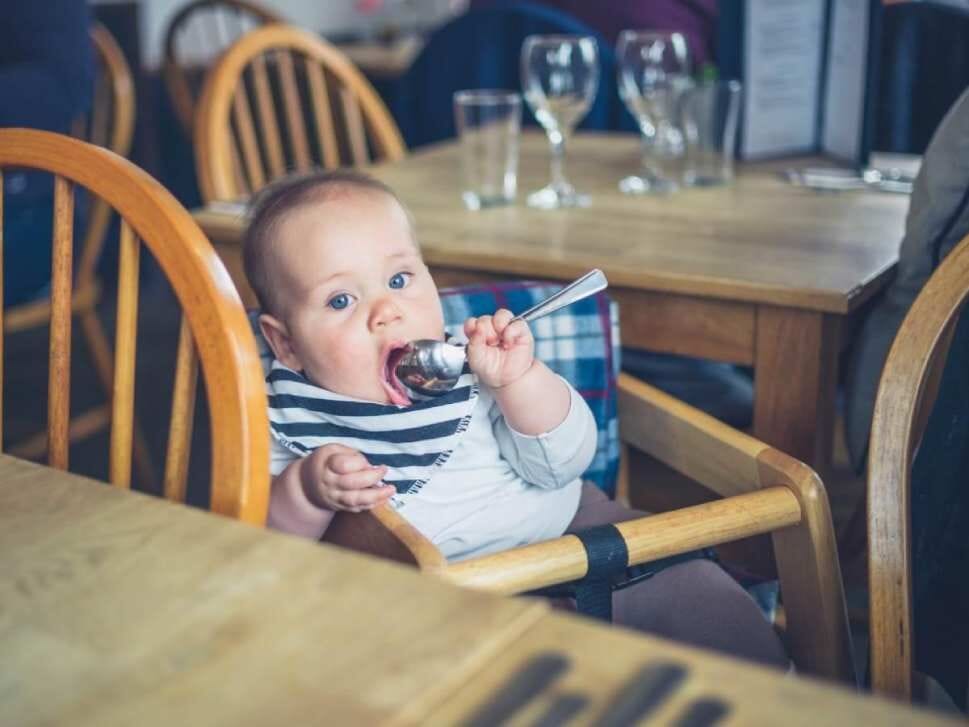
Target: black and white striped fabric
{"x":414,"y":442}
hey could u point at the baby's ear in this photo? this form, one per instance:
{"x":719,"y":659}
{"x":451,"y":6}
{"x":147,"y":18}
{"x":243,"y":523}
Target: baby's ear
{"x":277,"y":336}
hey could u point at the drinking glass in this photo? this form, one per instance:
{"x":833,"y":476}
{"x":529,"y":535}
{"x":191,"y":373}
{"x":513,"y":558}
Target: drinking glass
{"x":560,"y":75}
{"x":710,"y":113}
{"x":488,"y":123}
{"x":652,"y":70}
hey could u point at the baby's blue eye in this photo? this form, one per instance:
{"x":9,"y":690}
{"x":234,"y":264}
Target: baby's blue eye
{"x":399,"y":281}
{"x":339,"y":302}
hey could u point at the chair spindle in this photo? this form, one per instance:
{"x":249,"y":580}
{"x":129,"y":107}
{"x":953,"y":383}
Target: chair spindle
{"x":322,"y":114}
{"x":295,"y":124}
{"x":353,"y":118}
{"x":59,"y":374}
{"x":250,"y":147}
{"x":123,"y":395}
{"x":2,"y":310}
{"x":267,"y":118}
{"x":183,"y":408}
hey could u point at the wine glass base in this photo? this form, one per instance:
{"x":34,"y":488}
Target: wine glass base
{"x":550,"y":198}
{"x":647,"y":185}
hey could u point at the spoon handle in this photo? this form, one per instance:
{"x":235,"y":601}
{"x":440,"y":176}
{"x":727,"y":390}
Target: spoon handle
{"x":589,"y":284}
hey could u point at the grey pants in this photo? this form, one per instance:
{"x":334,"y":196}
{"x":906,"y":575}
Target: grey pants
{"x":694,"y":602}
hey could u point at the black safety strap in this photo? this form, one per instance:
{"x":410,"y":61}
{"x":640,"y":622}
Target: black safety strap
{"x":608,"y":557}
{"x":593,"y":593}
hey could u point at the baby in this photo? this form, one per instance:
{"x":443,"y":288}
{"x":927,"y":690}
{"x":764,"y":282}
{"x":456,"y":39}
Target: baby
{"x":494,"y":464}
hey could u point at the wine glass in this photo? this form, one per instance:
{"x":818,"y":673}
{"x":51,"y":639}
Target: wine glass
{"x":560,"y":75}
{"x":652,"y":70}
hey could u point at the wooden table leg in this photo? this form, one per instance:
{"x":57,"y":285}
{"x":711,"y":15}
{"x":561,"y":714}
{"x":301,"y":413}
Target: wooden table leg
{"x":796,"y":372}
{"x":796,"y":375}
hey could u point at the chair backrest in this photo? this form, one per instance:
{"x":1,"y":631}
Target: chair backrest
{"x":195,"y":37}
{"x":916,"y":366}
{"x":214,"y":330}
{"x":321,"y":111}
{"x":110,"y":124}
{"x":482,"y":49}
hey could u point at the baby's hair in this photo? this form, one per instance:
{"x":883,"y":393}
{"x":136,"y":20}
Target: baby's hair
{"x":271,"y":205}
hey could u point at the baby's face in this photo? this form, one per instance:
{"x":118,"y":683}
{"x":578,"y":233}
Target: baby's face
{"x":353,"y":290}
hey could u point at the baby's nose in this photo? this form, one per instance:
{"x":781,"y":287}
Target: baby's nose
{"x":384,"y":313}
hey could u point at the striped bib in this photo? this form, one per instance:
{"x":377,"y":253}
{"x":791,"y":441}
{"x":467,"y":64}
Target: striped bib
{"x":413,"y":442}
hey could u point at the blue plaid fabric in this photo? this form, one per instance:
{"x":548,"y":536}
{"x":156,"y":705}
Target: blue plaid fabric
{"x":580,"y":343}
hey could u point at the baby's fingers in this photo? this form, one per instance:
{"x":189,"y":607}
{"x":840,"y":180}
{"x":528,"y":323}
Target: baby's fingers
{"x":347,"y":463}
{"x":359,"y":500}
{"x":355,"y":480}
{"x":514,"y":333}
{"x":501,"y":319}
{"x":485,"y":332}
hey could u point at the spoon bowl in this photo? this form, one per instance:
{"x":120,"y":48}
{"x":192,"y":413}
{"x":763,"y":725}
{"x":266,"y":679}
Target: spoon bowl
{"x":430,"y":367}
{"x":433,"y":368}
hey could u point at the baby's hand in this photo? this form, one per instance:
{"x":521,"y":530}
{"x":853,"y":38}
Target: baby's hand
{"x":499,"y":352}
{"x":335,"y":477}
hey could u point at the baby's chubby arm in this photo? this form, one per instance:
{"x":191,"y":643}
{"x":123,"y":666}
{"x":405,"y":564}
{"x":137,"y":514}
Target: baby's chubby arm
{"x":532,"y":399}
{"x":305,"y":495}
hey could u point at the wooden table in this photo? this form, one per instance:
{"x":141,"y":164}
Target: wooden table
{"x":118,"y":609}
{"x":604,"y":677}
{"x":383,"y":60}
{"x":759,"y":273}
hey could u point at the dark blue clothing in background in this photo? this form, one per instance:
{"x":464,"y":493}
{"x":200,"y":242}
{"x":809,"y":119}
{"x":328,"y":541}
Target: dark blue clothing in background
{"x":46,"y":81}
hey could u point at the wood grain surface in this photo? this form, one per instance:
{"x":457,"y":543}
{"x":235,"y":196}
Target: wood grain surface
{"x":118,"y":609}
{"x":759,"y":239}
{"x":604,"y":677}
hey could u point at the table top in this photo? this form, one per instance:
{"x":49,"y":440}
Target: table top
{"x":383,"y":59}
{"x":119,"y":608}
{"x":760,"y":239}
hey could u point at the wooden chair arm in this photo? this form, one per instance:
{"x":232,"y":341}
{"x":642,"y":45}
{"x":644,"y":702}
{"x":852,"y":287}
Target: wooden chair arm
{"x":690,"y":441}
{"x":730,"y":463}
{"x":647,"y":539}
{"x":384,"y":533}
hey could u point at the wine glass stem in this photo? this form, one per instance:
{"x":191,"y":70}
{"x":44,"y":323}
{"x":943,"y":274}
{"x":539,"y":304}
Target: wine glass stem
{"x":647,"y":150}
{"x":557,"y":142}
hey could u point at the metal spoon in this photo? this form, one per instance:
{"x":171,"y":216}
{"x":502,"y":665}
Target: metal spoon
{"x":432,"y":368}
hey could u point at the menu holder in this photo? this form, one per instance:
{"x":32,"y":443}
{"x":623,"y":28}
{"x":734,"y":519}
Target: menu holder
{"x":809,"y":75}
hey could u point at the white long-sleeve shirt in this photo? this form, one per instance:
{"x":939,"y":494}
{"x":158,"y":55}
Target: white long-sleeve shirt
{"x":500,"y":489}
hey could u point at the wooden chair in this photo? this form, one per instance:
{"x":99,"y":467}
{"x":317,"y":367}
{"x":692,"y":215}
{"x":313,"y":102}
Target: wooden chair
{"x":111,"y":125}
{"x":331,"y":115}
{"x":196,"y":36}
{"x":214,"y":330}
{"x":907,"y":393}
{"x":762,"y":491}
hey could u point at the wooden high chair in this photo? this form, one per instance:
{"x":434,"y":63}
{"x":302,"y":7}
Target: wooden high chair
{"x":762,"y":490}
{"x":214,"y":330}
{"x":313,"y":108}
{"x":907,"y":393}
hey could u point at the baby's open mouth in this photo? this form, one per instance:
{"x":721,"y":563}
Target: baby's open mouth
{"x":394,"y":388}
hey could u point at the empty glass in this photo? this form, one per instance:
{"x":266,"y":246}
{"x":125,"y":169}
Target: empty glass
{"x":652,"y":70}
{"x":560,"y":76}
{"x":488,"y":124}
{"x":710,"y":114}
